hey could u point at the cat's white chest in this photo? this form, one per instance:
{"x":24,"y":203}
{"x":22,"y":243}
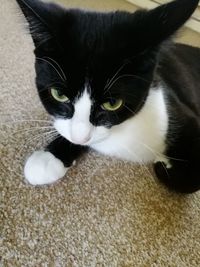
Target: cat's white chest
{"x":141,"y":138}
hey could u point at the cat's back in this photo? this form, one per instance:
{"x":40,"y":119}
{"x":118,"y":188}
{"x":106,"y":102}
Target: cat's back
{"x":179,"y":68}
{"x":179,"y":58}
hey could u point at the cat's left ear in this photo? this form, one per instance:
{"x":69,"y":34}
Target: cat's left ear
{"x":160,"y":23}
{"x":43,"y":19}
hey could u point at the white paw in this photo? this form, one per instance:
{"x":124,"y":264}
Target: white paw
{"x":43,"y":167}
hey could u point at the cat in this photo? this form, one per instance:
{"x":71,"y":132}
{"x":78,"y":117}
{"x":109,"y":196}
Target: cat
{"x":115,"y":82}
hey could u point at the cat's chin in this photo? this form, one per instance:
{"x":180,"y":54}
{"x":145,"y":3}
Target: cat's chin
{"x":97,"y":134}
{"x":90,"y":142}
{"x":94,"y":142}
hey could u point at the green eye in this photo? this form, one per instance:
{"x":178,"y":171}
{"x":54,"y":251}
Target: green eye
{"x":58,"y":96}
{"x":112,"y":104}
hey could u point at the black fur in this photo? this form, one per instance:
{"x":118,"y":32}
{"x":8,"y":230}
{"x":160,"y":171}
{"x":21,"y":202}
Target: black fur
{"x":65,"y":151}
{"x":180,"y":69}
{"x":92,"y":46}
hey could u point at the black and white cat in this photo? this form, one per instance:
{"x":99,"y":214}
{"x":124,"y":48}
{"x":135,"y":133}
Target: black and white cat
{"x":116,"y":83}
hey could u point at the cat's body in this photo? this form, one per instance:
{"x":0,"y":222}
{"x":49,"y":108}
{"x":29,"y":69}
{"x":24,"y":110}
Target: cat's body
{"x":138,"y":139}
{"x":131,"y":98}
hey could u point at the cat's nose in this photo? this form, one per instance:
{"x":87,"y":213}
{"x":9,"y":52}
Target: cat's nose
{"x":80,"y":133}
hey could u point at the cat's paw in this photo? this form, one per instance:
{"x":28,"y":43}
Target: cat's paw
{"x":163,"y":160}
{"x":162,"y":170}
{"x":178,"y":178}
{"x":43,"y":167}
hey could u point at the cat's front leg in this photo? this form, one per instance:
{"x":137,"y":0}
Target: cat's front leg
{"x":180,"y":178}
{"x":51,"y":164}
{"x":181,"y":174}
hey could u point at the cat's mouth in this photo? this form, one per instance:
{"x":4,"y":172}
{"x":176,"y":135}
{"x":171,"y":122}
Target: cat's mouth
{"x":86,"y":141}
{"x":89,"y":140}
{"x":83,"y":141}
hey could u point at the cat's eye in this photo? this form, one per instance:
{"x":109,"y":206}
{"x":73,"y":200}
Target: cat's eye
{"x":113,"y":104}
{"x":58,"y":95}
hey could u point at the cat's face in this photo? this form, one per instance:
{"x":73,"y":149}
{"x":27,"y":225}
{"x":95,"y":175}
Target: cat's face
{"x":94,"y":70}
{"x":91,"y":83}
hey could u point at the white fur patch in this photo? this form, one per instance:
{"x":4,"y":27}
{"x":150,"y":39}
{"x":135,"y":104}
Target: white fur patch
{"x":77,"y":130}
{"x":43,"y":167}
{"x":81,"y":128}
{"x":142,"y":137}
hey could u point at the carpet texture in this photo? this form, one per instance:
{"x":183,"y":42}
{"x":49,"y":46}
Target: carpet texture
{"x":105,"y":212}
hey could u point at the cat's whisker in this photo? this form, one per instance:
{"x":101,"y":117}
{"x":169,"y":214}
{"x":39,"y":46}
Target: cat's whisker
{"x":50,"y":136}
{"x":109,"y":81}
{"x":25,"y":121}
{"x":115,"y":75}
{"x":122,"y":76}
{"x":129,"y":109}
{"x":39,"y":136}
{"x":54,"y":84}
{"x":47,"y":61}
{"x":138,"y":77}
{"x":45,"y":134}
{"x":28,"y":119}
{"x":155,"y":153}
{"x":158,"y":154}
{"x":58,"y":67}
{"x":32,"y":129}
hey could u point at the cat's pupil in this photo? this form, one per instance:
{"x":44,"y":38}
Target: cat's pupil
{"x":59,"y":93}
{"x":112,"y":101}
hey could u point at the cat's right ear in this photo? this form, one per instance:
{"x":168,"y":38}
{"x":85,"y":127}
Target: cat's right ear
{"x":42,"y":19}
{"x":159,"y":24}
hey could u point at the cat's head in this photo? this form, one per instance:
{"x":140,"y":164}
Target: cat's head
{"x":94,"y":70}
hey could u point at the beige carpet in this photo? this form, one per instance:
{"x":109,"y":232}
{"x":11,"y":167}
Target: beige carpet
{"x":105,"y":212}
